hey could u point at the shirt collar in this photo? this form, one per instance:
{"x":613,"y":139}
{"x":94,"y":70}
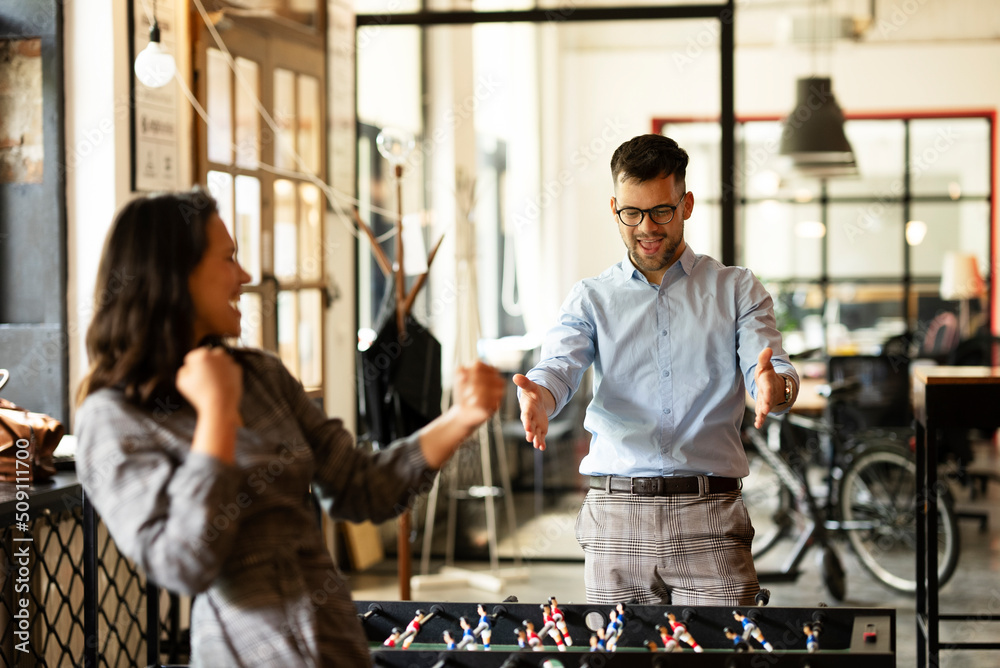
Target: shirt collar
{"x":686,"y":261}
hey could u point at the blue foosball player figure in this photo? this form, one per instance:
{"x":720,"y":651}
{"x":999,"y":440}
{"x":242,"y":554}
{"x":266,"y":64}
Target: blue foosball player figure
{"x":611,"y":632}
{"x":449,"y":641}
{"x":752,"y":630}
{"x":597,"y":641}
{"x":468,"y":640}
{"x":739,"y":644}
{"x":616,"y":625}
{"x":812,"y":641}
{"x":483,"y":630}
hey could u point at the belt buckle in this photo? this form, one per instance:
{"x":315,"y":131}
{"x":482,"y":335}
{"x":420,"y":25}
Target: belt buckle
{"x":647,"y":486}
{"x":703,"y":486}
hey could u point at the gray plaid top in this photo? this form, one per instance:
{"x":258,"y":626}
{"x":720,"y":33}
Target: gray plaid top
{"x":245,"y":537}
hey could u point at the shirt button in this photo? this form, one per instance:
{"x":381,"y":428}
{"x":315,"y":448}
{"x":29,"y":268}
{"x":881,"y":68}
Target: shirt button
{"x":666,"y":411}
{"x":663,"y":333}
{"x":666,"y":373}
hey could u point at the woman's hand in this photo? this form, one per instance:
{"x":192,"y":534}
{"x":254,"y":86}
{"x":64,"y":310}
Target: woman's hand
{"x":476,"y":395}
{"x":212,"y":382}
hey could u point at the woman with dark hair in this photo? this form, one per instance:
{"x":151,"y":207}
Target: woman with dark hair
{"x":200,"y":457}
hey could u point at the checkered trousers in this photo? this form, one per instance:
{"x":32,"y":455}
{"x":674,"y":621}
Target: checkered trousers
{"x":680,"y":550}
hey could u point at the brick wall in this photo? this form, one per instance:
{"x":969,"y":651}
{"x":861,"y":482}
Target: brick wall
{"x":22,"y":155}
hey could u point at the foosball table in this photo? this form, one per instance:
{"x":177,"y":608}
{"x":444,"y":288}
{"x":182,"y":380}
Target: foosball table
{"x":408,"y":634}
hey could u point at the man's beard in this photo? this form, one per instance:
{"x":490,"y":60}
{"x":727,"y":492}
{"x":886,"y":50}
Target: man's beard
{"x":656,"y":262}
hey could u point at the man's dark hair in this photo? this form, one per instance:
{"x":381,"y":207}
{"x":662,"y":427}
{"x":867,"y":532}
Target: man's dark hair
{"x":648,"y":157}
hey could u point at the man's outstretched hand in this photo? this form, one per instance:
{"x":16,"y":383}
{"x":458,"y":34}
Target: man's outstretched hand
{"x":770,"y":388}
{"x":536,"y":404}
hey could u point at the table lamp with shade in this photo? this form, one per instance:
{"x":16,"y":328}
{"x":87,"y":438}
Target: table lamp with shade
{"x":960,"y":279}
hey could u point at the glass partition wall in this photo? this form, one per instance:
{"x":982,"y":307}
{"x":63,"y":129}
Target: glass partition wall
{"x":514,"y":126}
{"x":854,"y":261}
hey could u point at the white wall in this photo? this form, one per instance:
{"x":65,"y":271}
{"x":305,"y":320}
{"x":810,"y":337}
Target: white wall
{"x":97,"y":152}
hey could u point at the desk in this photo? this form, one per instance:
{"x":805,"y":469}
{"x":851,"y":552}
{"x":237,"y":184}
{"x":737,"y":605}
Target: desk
{"x":809,"y":401}
{"x":944,"y":397}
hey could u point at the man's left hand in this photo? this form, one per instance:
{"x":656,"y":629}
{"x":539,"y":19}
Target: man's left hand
{"x":770,"y":387}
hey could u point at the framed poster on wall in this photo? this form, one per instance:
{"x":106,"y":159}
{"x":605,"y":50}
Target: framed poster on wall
{"x":154,"y":126}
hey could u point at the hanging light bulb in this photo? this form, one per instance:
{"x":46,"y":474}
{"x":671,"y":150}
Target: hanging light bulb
{"x":154,"y":65}
{"x":395,"y":145}
{"x":916,"y":230}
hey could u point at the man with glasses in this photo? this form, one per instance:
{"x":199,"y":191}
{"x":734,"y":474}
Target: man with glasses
{"x":675,"y":339}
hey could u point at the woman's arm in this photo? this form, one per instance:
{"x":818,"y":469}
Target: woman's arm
{"x":212,"y":382}
{"x":478,"y":391}
{"x":174,"y":515}
{"x":357,"y":485}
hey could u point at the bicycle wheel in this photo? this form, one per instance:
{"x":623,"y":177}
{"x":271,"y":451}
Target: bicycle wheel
{"x":878,"y":499}
{"x":767,"y":501}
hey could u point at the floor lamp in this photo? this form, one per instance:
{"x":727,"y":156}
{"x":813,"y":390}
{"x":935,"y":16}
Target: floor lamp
{"x":960,"y":279}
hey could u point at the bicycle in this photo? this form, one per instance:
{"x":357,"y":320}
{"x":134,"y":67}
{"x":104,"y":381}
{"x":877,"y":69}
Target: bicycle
{"x":866,"y":492}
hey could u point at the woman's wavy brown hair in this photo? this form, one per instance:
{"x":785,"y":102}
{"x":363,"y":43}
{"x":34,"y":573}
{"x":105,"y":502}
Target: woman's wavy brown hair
{"x":143,"y":320}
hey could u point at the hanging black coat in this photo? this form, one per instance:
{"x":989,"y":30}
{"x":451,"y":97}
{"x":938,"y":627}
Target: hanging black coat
{"x":399,"y":380}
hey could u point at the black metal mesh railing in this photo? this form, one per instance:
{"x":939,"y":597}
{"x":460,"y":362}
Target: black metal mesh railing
{"x":42,"y":591}
{"x":41,"y":610}
{"x":121,"y":606}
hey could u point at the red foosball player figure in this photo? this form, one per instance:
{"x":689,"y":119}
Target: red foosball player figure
{"x":468,"y":640}
{"x":751,"y":629}
{"x":531,"y":638}
{"x":739,"y":644}
{"x":412,"y":629}
{"x":560,"y":618}
{"x":484,"y":630}
{"x":449,"y":641}
{"x":393,"y":637}
{"x":549,"y":627}
{"x":679,"y":632}
{"x":669,"y":644}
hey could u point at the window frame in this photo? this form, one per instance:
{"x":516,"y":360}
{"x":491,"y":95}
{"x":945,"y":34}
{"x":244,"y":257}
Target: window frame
{"x":302,"y":50}
{"x":910,"y":282}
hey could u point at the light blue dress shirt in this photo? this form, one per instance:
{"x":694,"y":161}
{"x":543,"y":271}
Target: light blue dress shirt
{"x":672,"y":363}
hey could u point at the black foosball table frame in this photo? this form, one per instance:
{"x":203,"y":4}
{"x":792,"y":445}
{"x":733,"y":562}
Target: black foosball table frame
{"x":854,"y":637}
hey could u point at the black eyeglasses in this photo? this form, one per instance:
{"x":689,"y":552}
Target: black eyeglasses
{"x":661,"y":215}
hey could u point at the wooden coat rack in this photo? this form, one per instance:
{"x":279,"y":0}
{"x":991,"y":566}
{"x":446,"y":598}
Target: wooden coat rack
{"x":404,"y":304}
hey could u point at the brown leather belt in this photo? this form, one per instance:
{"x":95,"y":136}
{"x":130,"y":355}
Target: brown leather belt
{"x":664,"y":486}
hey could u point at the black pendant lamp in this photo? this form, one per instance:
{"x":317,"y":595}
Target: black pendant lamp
{"x":813,"y":134}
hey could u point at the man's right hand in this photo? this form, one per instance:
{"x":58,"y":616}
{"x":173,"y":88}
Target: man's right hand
{"x":536,"y":403}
